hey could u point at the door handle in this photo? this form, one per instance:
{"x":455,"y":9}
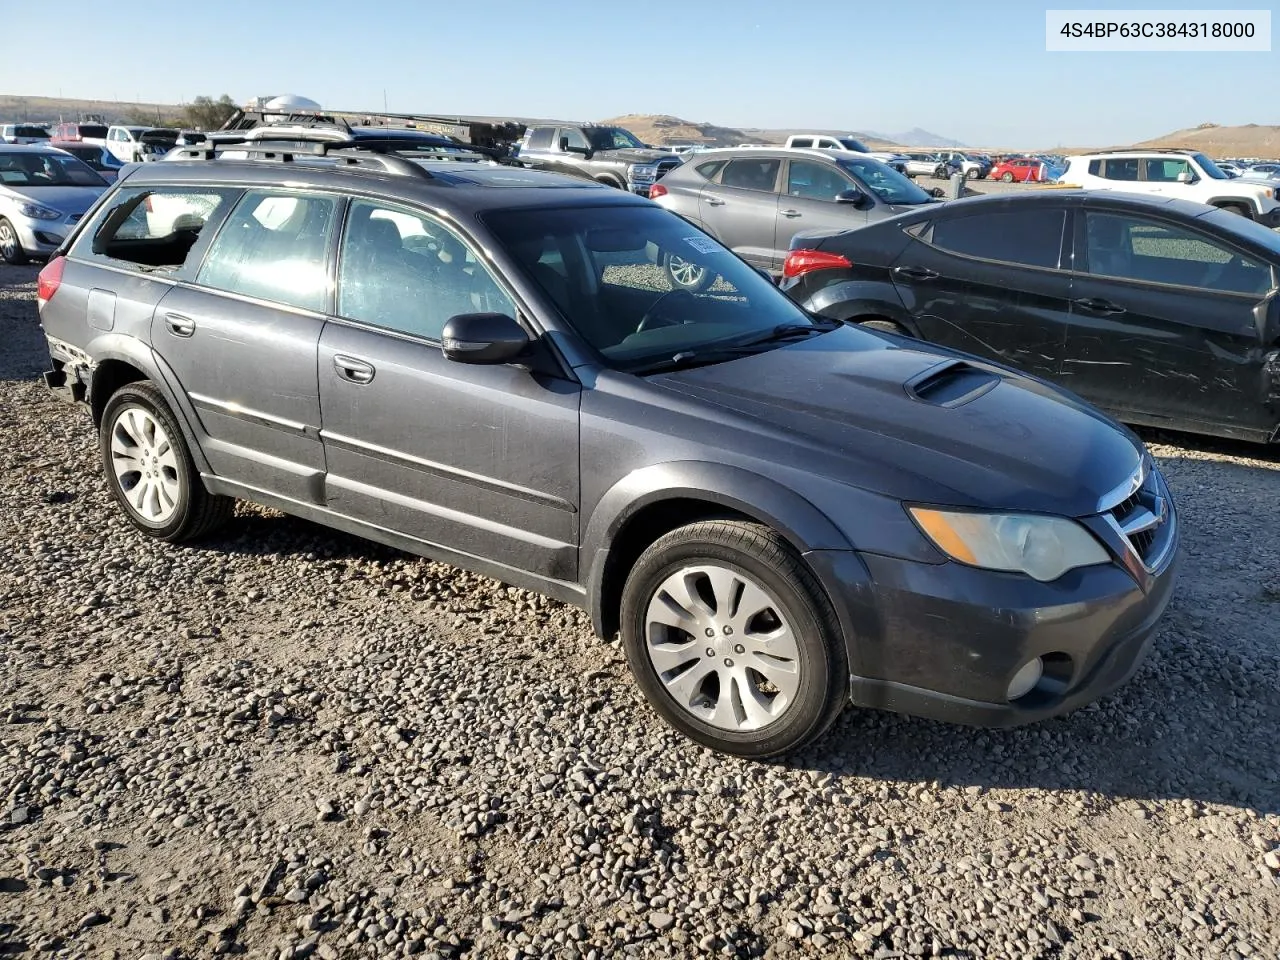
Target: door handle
{"x":790,"y":214}
{"x":714,"y":201}
{"x":353,"y":370}
{"x":1099,"y":305}
{"x":179,"y":325}
{"x":914,"y":273}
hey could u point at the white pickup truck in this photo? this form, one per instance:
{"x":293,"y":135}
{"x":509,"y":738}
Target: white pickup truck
{"x":847,"y":144}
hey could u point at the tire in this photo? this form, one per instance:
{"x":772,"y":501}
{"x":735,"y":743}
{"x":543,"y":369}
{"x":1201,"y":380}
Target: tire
{"x":166,"y":500}
{"x":939,"y":173}
{"x":611,"y":182}
{"x":1239,"y":209}
{"x":687,"y":275}
{"x":885,"y":326}
{"x":1007,"y":177}
{"x":752,"y":564}
{"x":10,"y":246}
{"x":973,"y":174}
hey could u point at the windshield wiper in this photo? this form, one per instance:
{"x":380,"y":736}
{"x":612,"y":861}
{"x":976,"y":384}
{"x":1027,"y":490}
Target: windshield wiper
{"x":785,"y":331}
{"x":691,"y":358}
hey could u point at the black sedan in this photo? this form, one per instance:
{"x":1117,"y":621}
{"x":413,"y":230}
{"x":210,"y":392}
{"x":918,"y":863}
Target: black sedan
{"x":1163,"y":312}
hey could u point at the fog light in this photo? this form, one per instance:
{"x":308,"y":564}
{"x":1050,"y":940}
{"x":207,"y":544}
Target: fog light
{"x":1025,"y":680}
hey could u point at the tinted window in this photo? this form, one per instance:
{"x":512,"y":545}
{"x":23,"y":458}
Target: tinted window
{"x":1120,"y":168}
{"x":815,"y":181}
{"x":574,"y":136}
{"x":406,"y":272}
{"x":39,"y":133}
{"x":1095,"y":168}
{"x":856,"y":145}
{"x":883,"y":181}
{"x":274,"y":246}
{"x":753,"y":174}
{"x":710,"y":168}
{"x":152,"y":228}
{"x":802,"y":142}
{"x":92,"y":130}
{"x":1031,"y":237}
{"x":613,"y":138}
{"x":1136,"y":248}
{"x":46,"y":169}
{"x":540,"y":139}
{"x":1166,"y":169}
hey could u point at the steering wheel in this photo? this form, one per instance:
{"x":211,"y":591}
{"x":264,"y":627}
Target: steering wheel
{"x":653,"y":315}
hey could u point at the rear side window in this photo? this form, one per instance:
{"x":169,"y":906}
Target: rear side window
{"x":753,"y":174}
{"x":710,"y":168}
{"x":1120,"y":168}
{"x":1029,"y":237}
{"x":802,"y":142}
{"x":540,"y":138}
{"x":154,"y":228}
{"x":274,"y":246}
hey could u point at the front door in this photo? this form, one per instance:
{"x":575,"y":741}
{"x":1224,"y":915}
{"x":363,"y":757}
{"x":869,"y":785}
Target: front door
{"x":480,"y":460}
{"x":1167,"y":323}
{"x":991,"y":284}
{"x":809,"y":203}
{"x":242,"y":340}
{"x":742,"y":209}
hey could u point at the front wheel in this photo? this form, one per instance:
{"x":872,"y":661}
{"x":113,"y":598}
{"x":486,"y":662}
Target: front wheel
{"x":149,"y":468}
{"x":732,"y":640}
{"x":10,"y":247}
{"x":885,"y":326}
{"x":1007,"y":177}
{"x":686,"y":274}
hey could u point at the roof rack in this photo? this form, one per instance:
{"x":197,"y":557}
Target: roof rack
{"x":1147,"y":150}
{"x":347,"y":152}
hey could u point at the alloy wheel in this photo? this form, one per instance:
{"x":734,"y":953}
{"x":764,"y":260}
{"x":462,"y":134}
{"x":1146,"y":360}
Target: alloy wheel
{"x":686,"y":272}
{"x":722,"y":647}
{"x":146,"y":465}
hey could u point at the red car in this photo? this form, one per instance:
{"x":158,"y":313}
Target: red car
{"x":1022,"y":169}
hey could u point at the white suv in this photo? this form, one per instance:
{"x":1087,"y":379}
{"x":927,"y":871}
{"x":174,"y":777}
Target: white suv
{"x":1185,"y":175}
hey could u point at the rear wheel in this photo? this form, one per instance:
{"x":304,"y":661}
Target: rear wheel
{"x":732,"y":641}
{"x":686,"y":274}
{"x":885,"y":326}
{"x":149,"y":468}
{"x":10,"y":248}
{"x":973,"y":173}
{"x":1007,"y":176}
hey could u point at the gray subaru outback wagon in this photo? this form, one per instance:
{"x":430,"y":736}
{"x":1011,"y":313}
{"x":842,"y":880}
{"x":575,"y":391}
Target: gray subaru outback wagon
{"x":489,"y":366}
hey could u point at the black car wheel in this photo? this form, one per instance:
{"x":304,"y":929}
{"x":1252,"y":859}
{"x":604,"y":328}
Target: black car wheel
{"x":149,"y":468}
{"x":687,"y":275}
{"x":732,"y":640}
{"x":10,"y":247}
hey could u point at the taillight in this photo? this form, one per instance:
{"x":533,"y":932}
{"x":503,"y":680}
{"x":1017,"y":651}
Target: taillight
{"x":50,"y":279}
{"x":800,"y":262}
{"x":656,"y":191}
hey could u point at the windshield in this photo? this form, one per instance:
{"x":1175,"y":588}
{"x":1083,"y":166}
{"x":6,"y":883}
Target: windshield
{"x":610,"y":271}
{"x":612,"y":138}
{"x":855,"y":145}
{"x":46,"y":170}
{"x":882,"y":180}
{"x":31,"y":133}
{"x":93,"y":130}
{"x":1210,"y":168}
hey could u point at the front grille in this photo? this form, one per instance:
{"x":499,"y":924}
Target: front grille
{"x":665,"y":167}
{"x":1143,"y":515}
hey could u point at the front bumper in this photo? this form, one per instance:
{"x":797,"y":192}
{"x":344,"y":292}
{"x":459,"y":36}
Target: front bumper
{"x":1271,"y":218}
{"x":944,"y":641}
{"x":40,"y":237}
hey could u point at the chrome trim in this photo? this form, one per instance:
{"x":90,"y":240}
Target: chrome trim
{"x":448,"y":472}
{"x":1124,"y":490}
{"x":246,"y":413}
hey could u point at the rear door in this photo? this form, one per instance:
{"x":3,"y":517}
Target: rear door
{"x":1167,"y":322}
{"x":481,"y":460}
{"x":809,"y":202}
{"x":991,"y":283}
{"x":242,"y":340}
{"x":741,"y":211}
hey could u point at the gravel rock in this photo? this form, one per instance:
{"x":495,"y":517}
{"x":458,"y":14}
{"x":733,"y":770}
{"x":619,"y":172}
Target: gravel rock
{"x":288,"y":742}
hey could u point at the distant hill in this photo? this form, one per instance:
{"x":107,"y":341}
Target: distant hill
{"x":1250,"y":140}
{"x":54,"y":109}
{"x":663,"y":129}
{"x":917,"y":137}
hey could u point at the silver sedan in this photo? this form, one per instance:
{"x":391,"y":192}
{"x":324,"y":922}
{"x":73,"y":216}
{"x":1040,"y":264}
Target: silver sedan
{"x":43,"y":193}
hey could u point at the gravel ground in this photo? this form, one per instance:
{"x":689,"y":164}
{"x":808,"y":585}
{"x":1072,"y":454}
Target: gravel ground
{"x":288,"y":742}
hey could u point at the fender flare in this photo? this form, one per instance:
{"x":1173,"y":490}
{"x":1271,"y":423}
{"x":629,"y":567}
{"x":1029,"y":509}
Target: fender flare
{"x":1247,"y":202}
{"x":857,"y":299}
{"x":797,"y":520}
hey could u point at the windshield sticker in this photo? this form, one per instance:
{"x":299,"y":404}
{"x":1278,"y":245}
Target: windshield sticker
{"x":702,"y":244}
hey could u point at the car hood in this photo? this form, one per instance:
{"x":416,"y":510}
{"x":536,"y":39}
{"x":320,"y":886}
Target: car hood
{"x":70,"y":200}
{"x":636,"y":155}
{"x":919,"y":424}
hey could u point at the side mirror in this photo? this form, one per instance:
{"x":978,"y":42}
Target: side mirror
{"x":483,"y":338}
{"x":1186,"y":176}
{"x":564,"y":144}
{"x":853,"y":197}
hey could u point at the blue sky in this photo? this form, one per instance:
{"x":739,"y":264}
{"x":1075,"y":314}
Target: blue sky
{"x":974,"y":72}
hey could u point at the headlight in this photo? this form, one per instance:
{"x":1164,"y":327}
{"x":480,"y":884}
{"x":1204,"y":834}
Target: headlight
{"x":643,"y":171}
{"x":1043,"y":548}
{"x":37,"y":212}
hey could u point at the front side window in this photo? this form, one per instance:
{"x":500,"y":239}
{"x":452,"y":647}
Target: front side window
{"x":154,"y":229}
{"x":751,"y":174}
{"x":613,"y":138}
{"x":603,"y":268}
{"x":25,"y":170}
{"x":406,"y":272}
{"x":1030,"y":237}
{"x":274,"y":246}
{"x":540,"y":139}
{"x":886,"y":183}
{"x":574,"y":138}
{"x":1136,"y":248}
{"x":814,"y":181}
{"x":1166,"y":169}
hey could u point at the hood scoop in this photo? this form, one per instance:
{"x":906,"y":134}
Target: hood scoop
{"x":951,"y":383}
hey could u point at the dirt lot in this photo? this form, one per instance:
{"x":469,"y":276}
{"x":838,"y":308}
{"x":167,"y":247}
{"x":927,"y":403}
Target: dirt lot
{"x":287,"y":742}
